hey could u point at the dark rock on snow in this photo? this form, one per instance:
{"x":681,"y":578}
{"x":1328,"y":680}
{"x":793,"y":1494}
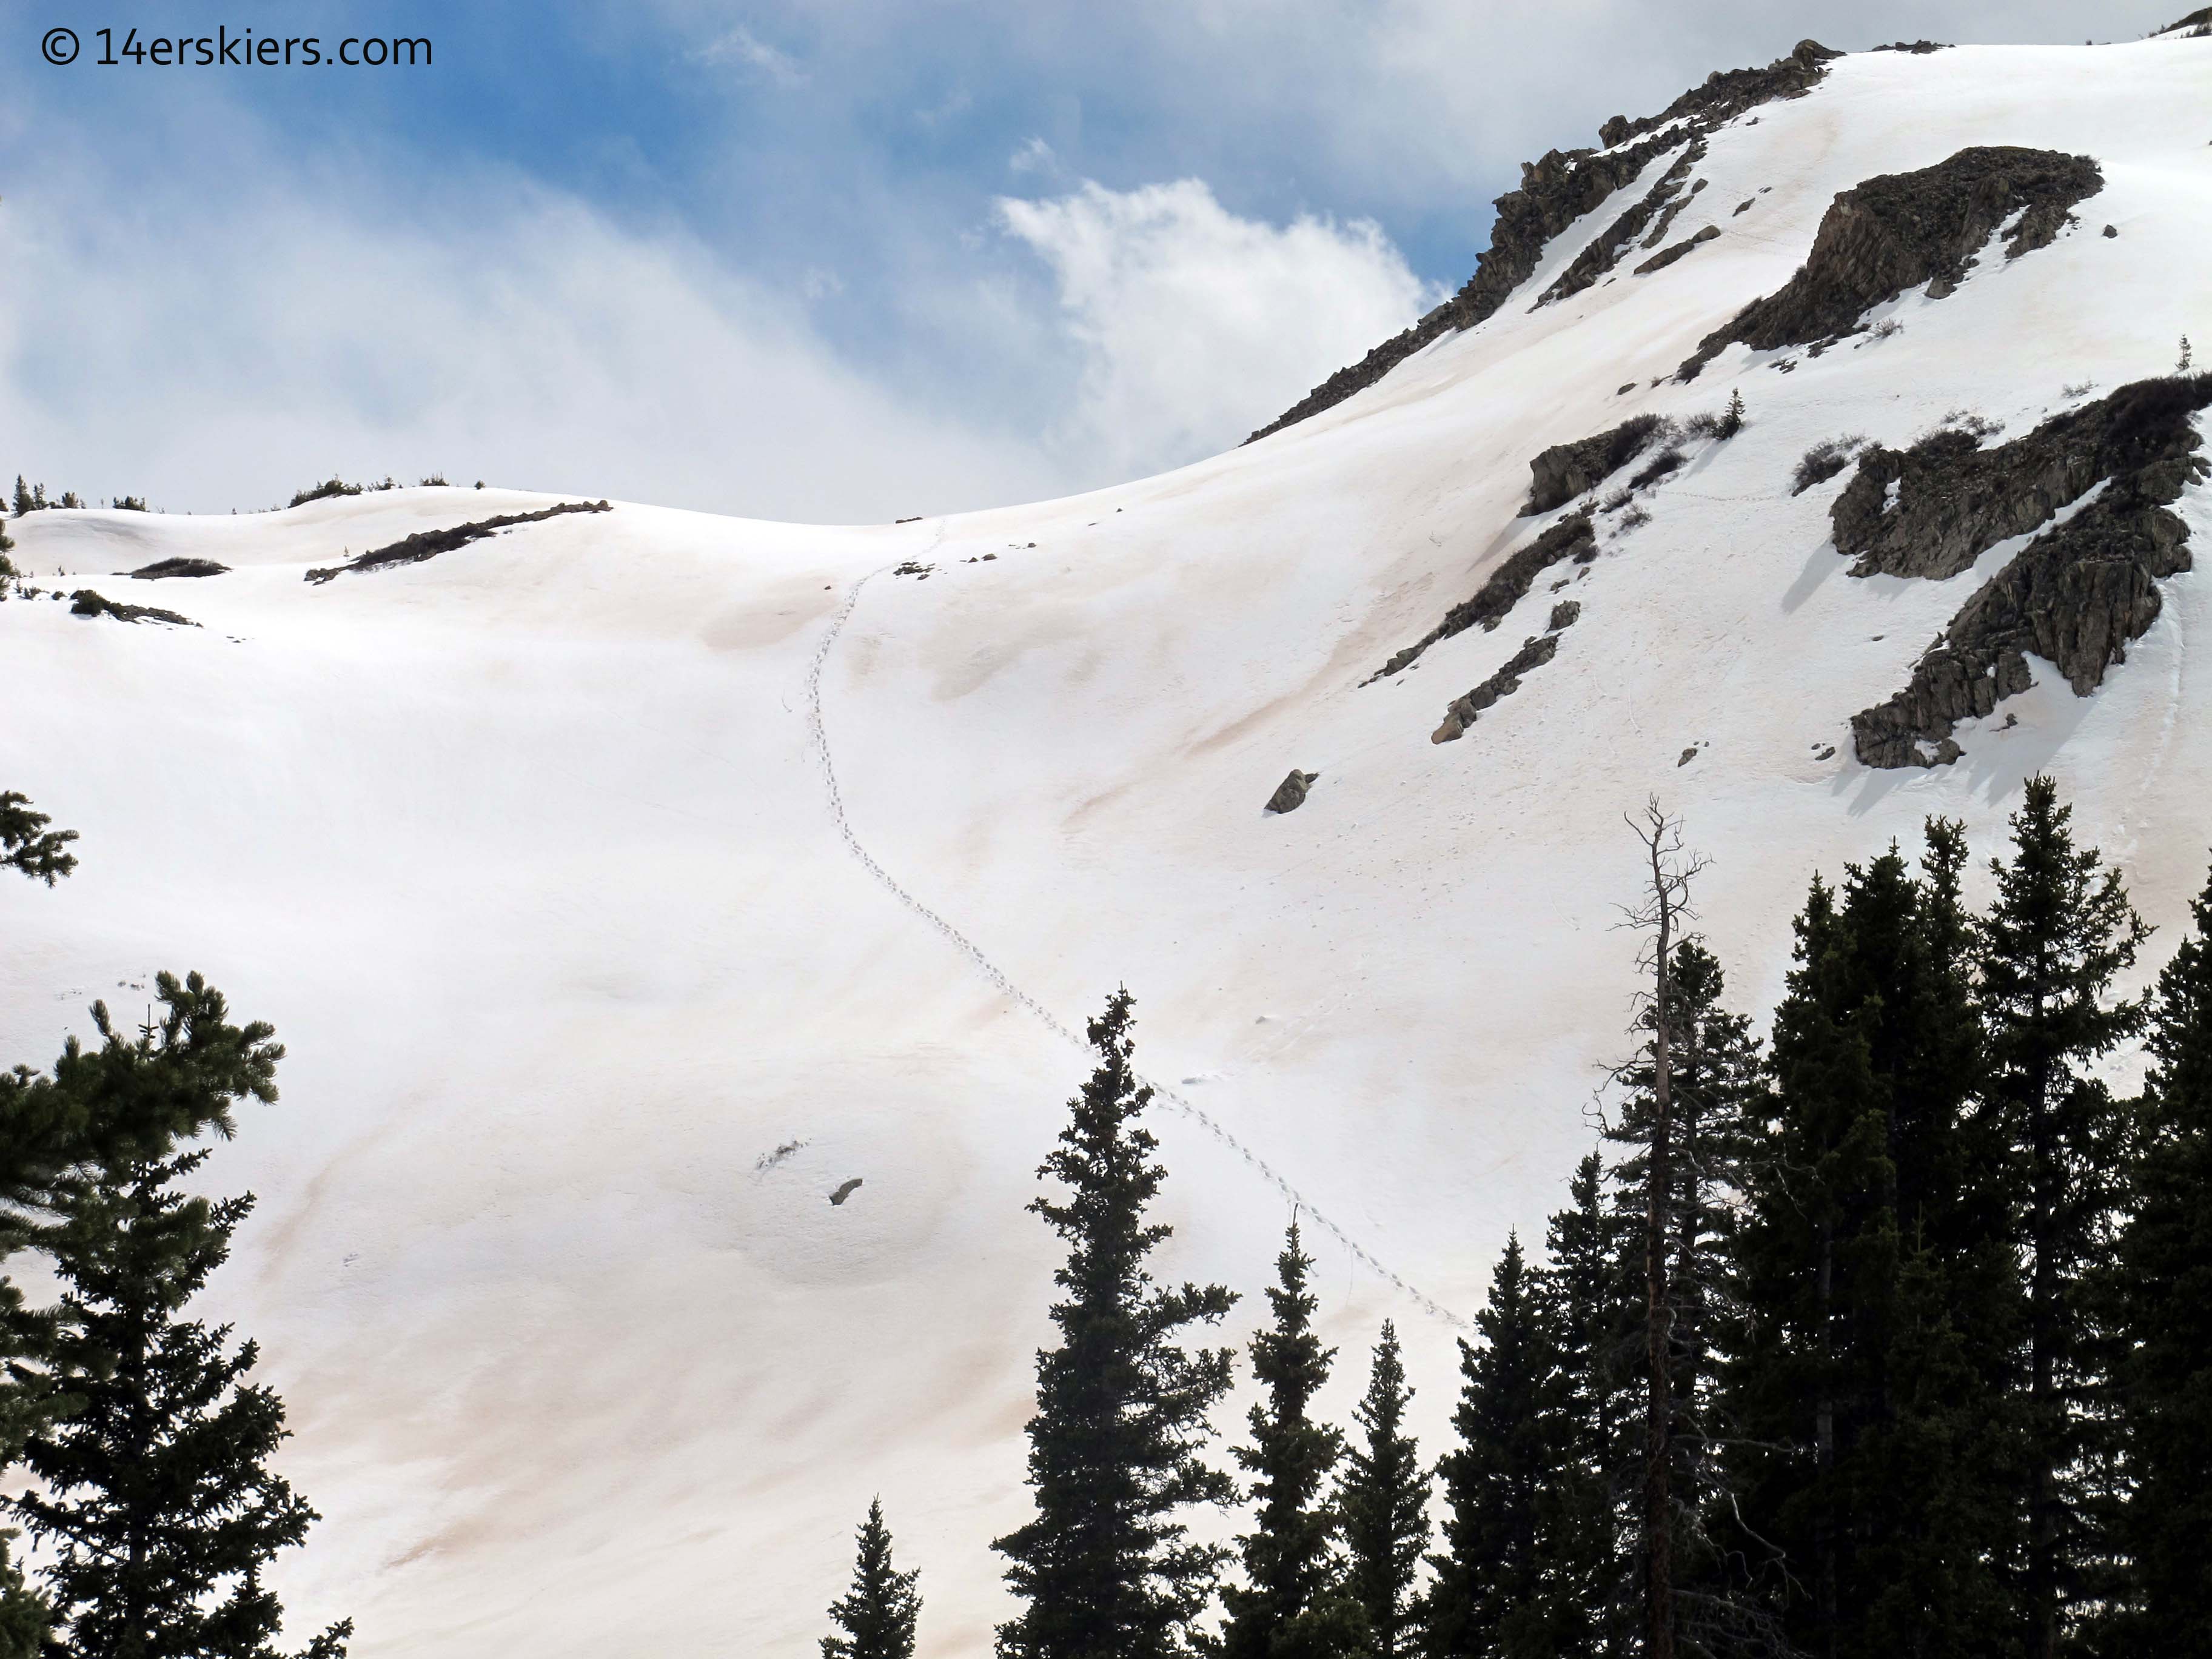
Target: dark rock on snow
{"x":162,"y":568}
{"x":86,"y":603}
{"x":2075,"y":596}
{"x":429,"y":543}
{"x":1900,"y":229}
{"x":1291,"y":793}
{"x":1563,"y":471}
{"x":1667,"y":257}
{"x":1571,"y":538}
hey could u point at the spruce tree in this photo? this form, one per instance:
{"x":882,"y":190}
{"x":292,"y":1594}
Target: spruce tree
{"x":1106,"y":1567}
{"x":156,"y":1500}
{"x":27,"y":846}
{"x":1383,"y":1499}
{"x":2059,"y":932}
{"x":1589,"y":1304}
{"x":2162,"y":1286}
{"x":879,"y":1613}
{"x":1293,"y":1604}
{"x":1487,"y":1597}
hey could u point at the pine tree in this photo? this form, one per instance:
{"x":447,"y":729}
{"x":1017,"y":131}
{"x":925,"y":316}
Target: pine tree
{"x":2162,"y":1286}
{"x":27,"y":846}
{"x":1383,"y":1499}
{"x":1588,"y":1299}
{"x":24,"y":502}
{"x":2060,"y":932}
{"x":879,"y":1613}
{"x":1486,"y":1599}
{"x":156,"y":1499}
{"x":1293,"y":1604}
{"x":1106,"y":1568}
{"x":1731,"y":421}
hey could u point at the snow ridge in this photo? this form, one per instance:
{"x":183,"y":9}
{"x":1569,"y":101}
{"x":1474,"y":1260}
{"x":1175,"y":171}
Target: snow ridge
{"x":818,"y":739}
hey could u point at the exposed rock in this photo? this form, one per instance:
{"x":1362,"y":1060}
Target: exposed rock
{"x":164,"y":567}
{"x":86,"y":603}
{"x":1688,"y":754}
{"x":1564,"y":614}
{"x":1462,"y":712}
{"x":429,"y":543}
{"x":1953,"y":500}
{"x":1918,"y":47}
{"x":1565,"y":471}
{"x":1556,"y":191}
{"x":1900,"y":229}
{"x":2076,"y":594}
{"x":1667,"y":257}
{"x":1745,"y":208}
{"x":1571,"y":538}
{"x":1605,"y":250}
{"x":1291,"y":793}
{"x":846,"y":1190}
{"x":2112,"y":230}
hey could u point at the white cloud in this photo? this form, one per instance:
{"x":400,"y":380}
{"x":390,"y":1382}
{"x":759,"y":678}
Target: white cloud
{"x":741,"y":46}
{"x":1034,"y":156}
{"x":1195,"y":326}
{"x":211,"y":355}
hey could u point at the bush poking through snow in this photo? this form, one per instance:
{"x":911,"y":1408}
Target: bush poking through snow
{"x":322,"y":492}
{"x":1824,"y":460}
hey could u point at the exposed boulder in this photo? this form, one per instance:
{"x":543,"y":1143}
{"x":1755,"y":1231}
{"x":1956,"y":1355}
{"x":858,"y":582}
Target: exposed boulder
{"x":1554,"y":193}
{"x":1900,"y":229}
{"x":1563,"y":471}
{"x":1291,"y":793}
{"x":163,"y":568}
{"x":2076,"y":595}
{"x":1571,"y":538}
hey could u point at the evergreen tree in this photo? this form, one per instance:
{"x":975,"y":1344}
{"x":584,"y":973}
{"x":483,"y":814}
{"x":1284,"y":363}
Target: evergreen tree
{"x":24,"y":502}
{"x":1588,"y":1304}
{"x":1487,"y":1597}
{"x":2060,"y":932}
{"x":1106,"y":1570}
{"x":1293,"y":1604}
{"x":1383,"y":1499}
{"x":157,"y":1501}
{"x":27,"y":846}
{"x":2163,"y":1291}
{"x":878,"y":1613}
{"x":1863,"y":1509}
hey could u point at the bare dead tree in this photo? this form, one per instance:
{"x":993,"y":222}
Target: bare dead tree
{"x":1659,"y":915}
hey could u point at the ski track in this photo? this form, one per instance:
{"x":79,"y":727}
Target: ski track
{"x":818,"y":739}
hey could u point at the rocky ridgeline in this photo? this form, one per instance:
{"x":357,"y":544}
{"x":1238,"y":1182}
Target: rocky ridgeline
{"x":1557,"y":191}
{"x":2075,"y":596}
{"x":1900,"y":229}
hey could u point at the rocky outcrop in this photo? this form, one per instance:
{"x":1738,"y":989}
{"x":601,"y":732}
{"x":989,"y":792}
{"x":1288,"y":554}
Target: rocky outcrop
{"x":1563,"y":471}
{"x":1900,"y":229}
{"x":86,"y":603}
{"x":1571,"y":539}
{"x":1666,"y":256}
{"x":163,"y":568}
{"x":429,"y":543}
{"x":1291,"y":793}
{"x":1554,"y":193}
{"x":1663,"y":201}
{"x":1462,"y":712}
{"x":2076,"y":595}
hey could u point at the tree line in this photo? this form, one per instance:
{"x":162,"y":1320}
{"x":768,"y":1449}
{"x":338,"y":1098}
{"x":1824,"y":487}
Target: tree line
{"x":1889,"y":1334}
{"x":147,"y":1445}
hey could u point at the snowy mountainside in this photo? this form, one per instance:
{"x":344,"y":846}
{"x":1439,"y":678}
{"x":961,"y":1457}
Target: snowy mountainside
{"x":625,"y":885}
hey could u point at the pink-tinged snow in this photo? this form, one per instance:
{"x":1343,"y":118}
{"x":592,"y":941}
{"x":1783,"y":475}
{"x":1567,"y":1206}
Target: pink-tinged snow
{"x":528,"y":855}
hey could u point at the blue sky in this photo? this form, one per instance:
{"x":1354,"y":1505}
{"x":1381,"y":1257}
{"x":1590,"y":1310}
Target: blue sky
{"x":813,"y":260}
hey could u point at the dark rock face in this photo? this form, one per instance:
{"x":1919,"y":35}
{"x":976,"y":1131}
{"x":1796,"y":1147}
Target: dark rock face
{"x":2075,"y":596}
{"x":1534,"y":653}
{"x":429,"y":543}
{"x":1571,"y":538}
{"x":1556,"y":191}
{"x":1291,"y":793}
{"x":1563,"y":471}
{"x":1604,"y":252}
{"x":1666,"y":256}
{"x":86,"y":603}
{"x":166,"y":568}
{"x":1901,"y":229}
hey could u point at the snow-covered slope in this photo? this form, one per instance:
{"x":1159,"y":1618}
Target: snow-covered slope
{"x":596,"y":989}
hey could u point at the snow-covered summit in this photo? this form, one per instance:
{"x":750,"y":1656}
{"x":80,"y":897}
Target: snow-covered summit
{"x":626,"y":885}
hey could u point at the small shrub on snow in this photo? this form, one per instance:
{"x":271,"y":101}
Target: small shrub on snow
{"x":324,"y":491}
{"x":1824,"y":460}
